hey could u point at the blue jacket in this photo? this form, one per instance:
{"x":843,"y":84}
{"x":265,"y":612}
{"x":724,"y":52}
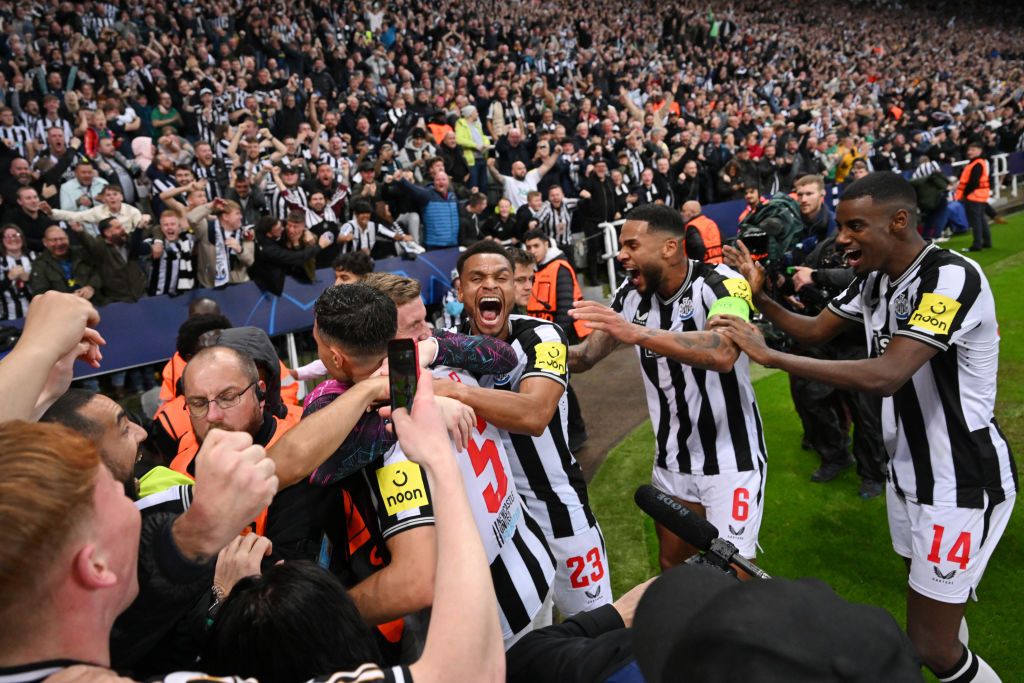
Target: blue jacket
{"x":440,"y":214}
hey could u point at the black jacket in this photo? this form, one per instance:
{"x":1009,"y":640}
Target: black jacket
{"x":586,"y":648}
{"x":174,"y":594}
{"x":274,"y":261}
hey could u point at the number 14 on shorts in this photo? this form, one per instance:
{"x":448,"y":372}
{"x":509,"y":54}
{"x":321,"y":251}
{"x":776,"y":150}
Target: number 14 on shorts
{"x":959,"y":553}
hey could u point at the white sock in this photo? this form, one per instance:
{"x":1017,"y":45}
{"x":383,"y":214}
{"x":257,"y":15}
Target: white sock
{"x":971,"y":669}
{"x":964,"y":634}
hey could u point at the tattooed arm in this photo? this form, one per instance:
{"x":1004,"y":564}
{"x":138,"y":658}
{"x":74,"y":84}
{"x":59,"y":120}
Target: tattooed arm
{"x":592,"y":349}
{"x":704,"y":350}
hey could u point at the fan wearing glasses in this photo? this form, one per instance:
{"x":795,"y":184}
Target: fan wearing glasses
{"x":223,"y":390}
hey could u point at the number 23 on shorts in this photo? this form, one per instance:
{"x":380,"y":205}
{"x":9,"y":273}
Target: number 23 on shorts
{"x":579,"y":564}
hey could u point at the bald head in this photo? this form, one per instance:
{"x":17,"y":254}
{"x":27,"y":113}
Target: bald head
{"x":690,"y":210}
{"x":203,"y":306}
{"x":223,"y":391}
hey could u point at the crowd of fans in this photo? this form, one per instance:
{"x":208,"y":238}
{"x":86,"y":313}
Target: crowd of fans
{"x":213,"y":143}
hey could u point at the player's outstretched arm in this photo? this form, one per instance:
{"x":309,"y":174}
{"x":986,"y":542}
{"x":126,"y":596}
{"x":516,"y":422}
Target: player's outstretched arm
{"x":598,"y":344}
{"x":883,"y":375}
{"x":464,"y":639}
{"x":591,"y":350}
{"x":705,"y":350}
{"x":526,"y":411}
{"x":808,"y":330}
{"x":306,"y":445}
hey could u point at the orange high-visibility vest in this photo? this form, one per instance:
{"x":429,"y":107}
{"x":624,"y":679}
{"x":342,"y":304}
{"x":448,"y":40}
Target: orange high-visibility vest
{"x":188,"y":447}
{"x":176,"y":366}
{"x":980,"y":193}
{"x":711,"y":237}
{"x":544,"y":296}
{"x":748,"y":209}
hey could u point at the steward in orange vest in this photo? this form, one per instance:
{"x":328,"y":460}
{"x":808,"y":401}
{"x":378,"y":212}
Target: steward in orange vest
{"x":973,"y":192}
{"x":974,"y":182}
{"x":555,"y":287}
{"x":703,"y":240}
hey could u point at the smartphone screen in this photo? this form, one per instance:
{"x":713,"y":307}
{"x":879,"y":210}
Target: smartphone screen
{"x":402,"y":370}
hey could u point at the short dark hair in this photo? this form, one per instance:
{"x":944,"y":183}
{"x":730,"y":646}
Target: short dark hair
{"x":187,"y":343}
{"x":66,"y":411}
{"x":361,"y":206}
{"x":520,"y":257}
{"x":482,"y":247}
{"x":355,"y":262}
{"x":885,"y":187}
{"x":659,"y":218}
{"x":265,"y":224}
{"x":357,"y":317}
{"x":476,"y":198}
{"x":535,"y":234}
{"x":106,"y":223}
{"x":295,"y":217}
{"x":291,"y":624}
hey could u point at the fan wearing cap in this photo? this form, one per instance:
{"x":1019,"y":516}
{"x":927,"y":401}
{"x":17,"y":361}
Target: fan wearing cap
{"x":710,"y":452}
{"x":365,"y":182}
{"x":933,"y":352}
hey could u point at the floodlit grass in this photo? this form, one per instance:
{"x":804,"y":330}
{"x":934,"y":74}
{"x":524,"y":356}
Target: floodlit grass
{"x":826,"y":530}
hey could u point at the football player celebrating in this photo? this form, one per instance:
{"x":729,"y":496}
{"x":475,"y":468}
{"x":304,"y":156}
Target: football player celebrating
{"x":710,"y":449}
{"x":933,"y":342}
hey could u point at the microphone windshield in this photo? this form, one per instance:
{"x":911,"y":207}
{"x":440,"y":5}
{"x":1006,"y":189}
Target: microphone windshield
{"x":672,"y":515}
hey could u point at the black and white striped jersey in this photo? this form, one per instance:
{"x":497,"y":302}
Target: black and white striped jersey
{"x":545,"y":471}
{"x":704,"y":422}
{"x":19,"y":136}
{"x":46,"y":124}
{"x":284,"y":200}
{"x":365,"y":239}
{"x":14,"y":294}
{"x":522,"y":566}
{"x":557,"y":222}
{"x":173,"y":272}
{"x":209,"y":174}
{"x":944,"y":445}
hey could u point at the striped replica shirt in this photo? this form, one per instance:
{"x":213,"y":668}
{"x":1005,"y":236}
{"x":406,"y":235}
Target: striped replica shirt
{"x":944,"y":445}
{"x":544,"y":469}
{"x":173,"y":272}
{"x":14,"y":294}
{"x":46,"y":124}
{"x":522,"y":567}
{"x":704,"y":422}
{"x":366,"y":239}
{"x":284,"y":200}
{"x":18,"y":136}
{"x":209,"y":174}
{"x":557,"y":222}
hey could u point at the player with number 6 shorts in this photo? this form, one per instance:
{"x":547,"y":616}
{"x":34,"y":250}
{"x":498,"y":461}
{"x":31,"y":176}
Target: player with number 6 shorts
{"x":929,"y":322}
{"x":530,"y":408}
{"x":710,"y":446}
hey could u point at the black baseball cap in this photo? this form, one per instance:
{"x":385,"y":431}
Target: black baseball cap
{"x":699,"y":623}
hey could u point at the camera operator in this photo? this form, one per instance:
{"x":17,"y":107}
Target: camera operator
{"x":821,"y":407}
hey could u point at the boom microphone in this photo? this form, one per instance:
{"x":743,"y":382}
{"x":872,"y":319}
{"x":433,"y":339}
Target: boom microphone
{"x":676,"y":517}
{"x":692,"y":528}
